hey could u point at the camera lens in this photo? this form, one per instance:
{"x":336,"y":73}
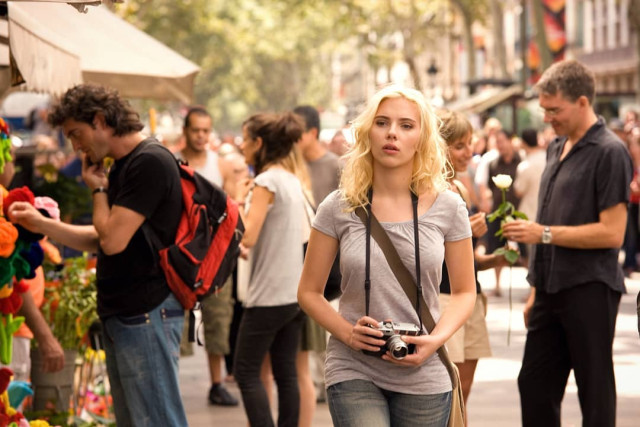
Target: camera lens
{"x":397,"y":347}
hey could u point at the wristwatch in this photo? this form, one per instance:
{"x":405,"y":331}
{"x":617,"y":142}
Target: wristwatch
{"x":546,"y":235}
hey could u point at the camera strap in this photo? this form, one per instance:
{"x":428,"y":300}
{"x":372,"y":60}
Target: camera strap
{"x":385,"y":244}
{"x":403,"y":276}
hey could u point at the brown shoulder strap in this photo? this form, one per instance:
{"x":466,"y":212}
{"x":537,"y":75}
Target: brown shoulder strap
{"x":462,"y":190}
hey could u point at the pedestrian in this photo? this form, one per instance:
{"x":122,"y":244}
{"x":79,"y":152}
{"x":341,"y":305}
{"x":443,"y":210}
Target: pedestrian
{"x":471,"y":342}
{"x":324,"y":174}
{"x":216,"y":309}
{"x":397,"y":165}
{"x":526,"y":184}
{"x":505,"y":164}
{"x":271,"y":321}
{"x":574,"y":272}
{"x":142,"y":319}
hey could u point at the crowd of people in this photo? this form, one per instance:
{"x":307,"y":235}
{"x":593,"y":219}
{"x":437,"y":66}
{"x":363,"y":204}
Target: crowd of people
{"x":303,"y":201}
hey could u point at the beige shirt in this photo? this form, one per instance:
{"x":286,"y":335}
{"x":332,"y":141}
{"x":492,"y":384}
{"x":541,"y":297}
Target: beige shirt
{"x":527,"y":182}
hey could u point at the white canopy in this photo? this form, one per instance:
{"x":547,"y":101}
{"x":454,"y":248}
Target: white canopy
{"x":55,"y":47}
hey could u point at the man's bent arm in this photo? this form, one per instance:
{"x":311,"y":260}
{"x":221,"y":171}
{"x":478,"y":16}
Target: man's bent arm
{"x":115,"y":226}
{"x":608,"y":232}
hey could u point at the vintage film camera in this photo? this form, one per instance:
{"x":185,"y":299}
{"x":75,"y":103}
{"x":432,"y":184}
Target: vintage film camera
{"x":392,"y":332}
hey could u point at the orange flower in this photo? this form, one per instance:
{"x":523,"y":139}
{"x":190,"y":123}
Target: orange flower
{"x":50,"y":251}
{"x":8,"y":237}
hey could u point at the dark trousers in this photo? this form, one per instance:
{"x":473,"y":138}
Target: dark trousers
{"x":572,"y":329}
{"x":275,"y":330}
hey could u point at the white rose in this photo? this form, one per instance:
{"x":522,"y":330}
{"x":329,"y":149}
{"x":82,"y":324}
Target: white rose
{"x":502,"y":181}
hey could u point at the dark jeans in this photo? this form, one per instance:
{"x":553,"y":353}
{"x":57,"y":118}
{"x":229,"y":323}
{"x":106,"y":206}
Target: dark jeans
{"x":572,"y":329}
{"x":275,"y":330}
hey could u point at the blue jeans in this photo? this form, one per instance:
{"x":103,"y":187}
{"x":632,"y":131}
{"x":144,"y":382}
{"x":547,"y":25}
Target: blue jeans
{"x":142,"y":361}
{"x":359,"y":403}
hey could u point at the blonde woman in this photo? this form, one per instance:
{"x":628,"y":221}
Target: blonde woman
{"x":398,"y":156}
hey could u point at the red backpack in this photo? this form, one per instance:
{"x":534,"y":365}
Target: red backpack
{"x":206,"y":247}
{"x":205,"y":250}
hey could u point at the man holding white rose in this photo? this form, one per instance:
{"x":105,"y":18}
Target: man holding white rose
{"x":574,"y":272}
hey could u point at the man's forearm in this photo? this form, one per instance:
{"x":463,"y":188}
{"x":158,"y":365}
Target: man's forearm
{"x":78,"y":237}
{"x":587,"y":236}
{"x":33,"y":318}
{"x":101,"y":212}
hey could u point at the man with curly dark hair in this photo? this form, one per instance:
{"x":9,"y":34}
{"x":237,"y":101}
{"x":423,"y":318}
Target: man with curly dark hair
{"x":142,"y":319}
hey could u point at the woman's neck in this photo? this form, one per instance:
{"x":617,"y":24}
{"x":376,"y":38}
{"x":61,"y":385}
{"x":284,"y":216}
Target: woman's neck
{"x":272,"y":165}
{"x":391,"y":182}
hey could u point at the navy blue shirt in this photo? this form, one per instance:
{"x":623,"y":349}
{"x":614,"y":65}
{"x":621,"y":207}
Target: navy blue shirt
{"x":594,"y":176}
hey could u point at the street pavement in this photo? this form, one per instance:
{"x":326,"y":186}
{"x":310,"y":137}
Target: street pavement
{"x":494,"y":399}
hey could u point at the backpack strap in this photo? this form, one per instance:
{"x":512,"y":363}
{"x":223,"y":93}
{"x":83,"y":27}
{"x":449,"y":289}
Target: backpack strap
{"x":152,"y":239}
{"x":134,"y":153}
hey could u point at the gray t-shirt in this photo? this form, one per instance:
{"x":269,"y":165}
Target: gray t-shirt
{"x":276,"y":258}
{"x":446,"y":220}
{"x":325,"y":175}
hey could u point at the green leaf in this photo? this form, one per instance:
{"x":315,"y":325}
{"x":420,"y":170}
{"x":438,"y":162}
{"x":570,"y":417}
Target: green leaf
{"x":520,"y":215}
{"x":498,"y":233}
{"x":511,"y":256}
{"x":499,"y":251}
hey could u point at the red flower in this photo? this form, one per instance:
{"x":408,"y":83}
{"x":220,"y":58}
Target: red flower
{"x":11,"y":304}
{"x":22,"y":194}
{"x":20,"y":286}
{"x":5,"y":378}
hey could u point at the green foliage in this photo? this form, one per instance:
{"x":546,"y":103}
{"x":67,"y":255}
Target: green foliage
{"x":271,"y":55}
{"x":509,"y":254}
{"x":70,"y":301}
{"x":254,"y":55}
{"x":74,"y":199}
{"x":506,"y":212}
{"x":62,"y":419}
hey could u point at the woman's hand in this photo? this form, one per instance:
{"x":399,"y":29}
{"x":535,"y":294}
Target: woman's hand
{"x":426,"y":345}
{"x":478,"y":224}
{"x":364,"y":336}
{"x":244,"y":252}
{"x":243,"y":187}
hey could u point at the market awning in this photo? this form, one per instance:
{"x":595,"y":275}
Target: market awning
{"x":109,"y":51}
{"x":46,"y":60}
{"x":485,"y":99}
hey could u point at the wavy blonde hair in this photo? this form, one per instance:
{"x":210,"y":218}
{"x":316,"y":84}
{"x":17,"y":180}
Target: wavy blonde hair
{"x":296,"y":164}
{"x":429,"y":171}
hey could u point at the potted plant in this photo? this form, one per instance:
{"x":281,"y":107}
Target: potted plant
{"x":70,"y":307}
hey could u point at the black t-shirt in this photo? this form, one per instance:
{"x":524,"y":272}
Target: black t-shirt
{"x":445,"y":285}
{"x":131,"y":282}
{"x":594,"y":176}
